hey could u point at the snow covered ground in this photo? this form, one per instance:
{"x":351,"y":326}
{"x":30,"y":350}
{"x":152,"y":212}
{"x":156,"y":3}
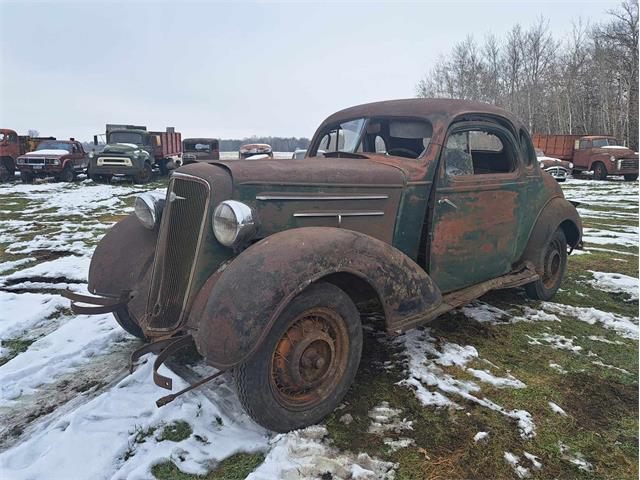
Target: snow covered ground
{"x":68,"y":409}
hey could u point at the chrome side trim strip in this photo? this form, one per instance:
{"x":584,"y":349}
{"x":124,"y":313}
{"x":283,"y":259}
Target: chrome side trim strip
{"x":322,"y":197}
{"x":338,"y":214}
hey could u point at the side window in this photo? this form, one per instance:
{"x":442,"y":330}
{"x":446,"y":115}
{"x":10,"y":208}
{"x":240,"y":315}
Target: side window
{"x":585,"y":144}
{"x":379,"y":144}
{"x":478,"y":152}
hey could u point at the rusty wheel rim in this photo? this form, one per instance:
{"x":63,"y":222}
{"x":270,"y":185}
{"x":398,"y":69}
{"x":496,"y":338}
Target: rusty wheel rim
{"x":552,"y":264}
{"x":309,"y":360}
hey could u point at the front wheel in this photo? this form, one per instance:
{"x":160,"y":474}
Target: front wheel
{"x":599,"y":171}
{"x":306,"y":363}
{"x":630,"y":177}
{"x":145,"y":175}
{"x":67,"y":175}
{"x":551,"y":266}
{"x":128,"y":322}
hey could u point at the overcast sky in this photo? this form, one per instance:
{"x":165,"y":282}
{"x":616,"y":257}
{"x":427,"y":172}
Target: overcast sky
{"x":232,"y":69}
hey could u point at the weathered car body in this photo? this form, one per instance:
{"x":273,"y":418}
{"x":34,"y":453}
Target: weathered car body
{"x":601,"y":154}
{"x":254,"y":149}
{"x":456,"y":206}
{"x":133,"y":151}
{"x":200,"y":150}
{"x":60,"y":159}
{"x":558,"y":169}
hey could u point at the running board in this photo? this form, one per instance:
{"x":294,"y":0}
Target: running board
{"x":450,"y":301}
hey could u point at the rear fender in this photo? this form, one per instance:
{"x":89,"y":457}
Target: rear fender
{"x":122,"y":261}
{"x":557,"y":213}
{"x":235,"y":309}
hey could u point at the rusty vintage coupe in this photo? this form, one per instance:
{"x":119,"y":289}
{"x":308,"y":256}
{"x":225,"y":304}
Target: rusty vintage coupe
{"x":422,"y":205}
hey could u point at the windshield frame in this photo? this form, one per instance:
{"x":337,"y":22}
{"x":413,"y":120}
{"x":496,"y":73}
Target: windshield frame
{"x":141,"y":135}
{"x":43,"y":145}
{"x":313,"y":149}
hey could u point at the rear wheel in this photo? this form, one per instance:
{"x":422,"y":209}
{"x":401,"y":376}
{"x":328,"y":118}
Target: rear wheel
{"x":551,"y":266}
{"x":630,"y":177}
{"x":599,"y":171}
{"x":145,"y":175}
{"x":128,"y":322}
{"x":306,"y":363}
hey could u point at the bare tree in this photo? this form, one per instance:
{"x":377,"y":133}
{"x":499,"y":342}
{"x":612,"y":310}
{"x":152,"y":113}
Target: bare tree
{"x":33,"y":133}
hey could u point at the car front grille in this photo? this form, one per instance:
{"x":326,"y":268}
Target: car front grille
{"x":39,"y":161}
{"x":557,"y":172}
{"x":629,"y":163}
{"x":181,"y":228}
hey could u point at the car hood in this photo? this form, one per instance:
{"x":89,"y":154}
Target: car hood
{"x":48,"y":152}
{"x":314,"y":171}
{"x":618,"y":152}
{"x":553,"y":162}
{"x":120,"y":148}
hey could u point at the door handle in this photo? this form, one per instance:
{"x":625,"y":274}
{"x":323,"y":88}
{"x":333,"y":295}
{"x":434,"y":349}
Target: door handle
{"x":446,"y":201}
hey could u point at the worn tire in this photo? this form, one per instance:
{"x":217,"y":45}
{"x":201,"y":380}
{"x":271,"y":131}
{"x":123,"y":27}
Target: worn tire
{"x":599,"y":171}
{"x":630,"y":177}
{"x":265,"y":401}
{"x":551,"y":266}
{"x":128,"y":322}
{"x":145,"y":175}
{"x":26,"y":177}
{"x":67,"y":175}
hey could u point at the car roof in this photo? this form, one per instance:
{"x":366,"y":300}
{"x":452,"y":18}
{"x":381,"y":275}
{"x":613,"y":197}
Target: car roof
{"x":448,"y":109}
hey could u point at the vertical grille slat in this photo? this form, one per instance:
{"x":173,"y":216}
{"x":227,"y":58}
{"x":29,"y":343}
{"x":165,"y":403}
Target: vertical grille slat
{"x":184,"y":217}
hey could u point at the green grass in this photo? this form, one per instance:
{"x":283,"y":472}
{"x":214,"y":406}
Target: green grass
{"x":235,"y":467}
{"x":176,"y":431}
{"x":14,"y":347}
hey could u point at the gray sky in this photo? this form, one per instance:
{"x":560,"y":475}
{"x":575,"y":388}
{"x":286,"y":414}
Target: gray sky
{"x":232,"y":69}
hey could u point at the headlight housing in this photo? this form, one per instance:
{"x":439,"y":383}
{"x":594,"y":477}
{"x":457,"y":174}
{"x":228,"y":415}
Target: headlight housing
{"x":234,"y":223}
{"x":570,"y":164}
{"x":148,"y":208}
{"x":55,"y":161}
{"x":21,"y":161}
{"x":612,"y":158}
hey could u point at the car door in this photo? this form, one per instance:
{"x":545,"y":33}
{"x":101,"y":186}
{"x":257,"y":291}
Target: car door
{"x":83,"y":159}
{"x":476,"y":206}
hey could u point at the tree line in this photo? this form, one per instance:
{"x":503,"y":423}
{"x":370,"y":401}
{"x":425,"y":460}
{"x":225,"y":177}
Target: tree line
{"x":586,"y":83}
{"x":279,"y":144}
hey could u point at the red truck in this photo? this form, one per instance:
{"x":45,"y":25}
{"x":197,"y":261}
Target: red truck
{"x":60,"y":159}
{"x":601,"y":154}
{"x":12,"y":146}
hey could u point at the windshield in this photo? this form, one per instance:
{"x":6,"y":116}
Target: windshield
{"x":343,"y":137}
{"x":198,"y":147}
{"x":604,"y":142}
{"x":53,"y":146}
{"x":126,"y":137}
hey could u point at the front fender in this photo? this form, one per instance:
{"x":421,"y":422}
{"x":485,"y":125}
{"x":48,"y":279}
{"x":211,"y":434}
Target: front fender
{"x":122,"y":261}
{"x":236,"y":308}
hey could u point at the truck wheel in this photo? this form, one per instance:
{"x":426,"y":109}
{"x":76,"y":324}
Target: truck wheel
{"x":306,"y":363}
{"x":67,"y":175}
{"x":599,"y":171}
{"x":551,"y":267}
{"x":145,"y":175}
{"x":128,"y":322}
{"x":630,"y":177}
{"x":26,"y":177}
{"x":162,"y":165}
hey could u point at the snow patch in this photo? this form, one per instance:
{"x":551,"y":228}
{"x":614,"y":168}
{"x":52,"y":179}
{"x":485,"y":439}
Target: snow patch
{"x":616,"y":283}
{"x":557,"y":409}
{"x":624,"y":326}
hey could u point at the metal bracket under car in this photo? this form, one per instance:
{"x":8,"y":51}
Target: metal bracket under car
{"x":96,"y":305}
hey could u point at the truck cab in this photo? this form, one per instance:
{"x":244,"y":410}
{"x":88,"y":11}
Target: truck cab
{"x":605,"y":155}
{"x":200,"y":150}
{"x":133,"y":151}
{"x":11,"y":147}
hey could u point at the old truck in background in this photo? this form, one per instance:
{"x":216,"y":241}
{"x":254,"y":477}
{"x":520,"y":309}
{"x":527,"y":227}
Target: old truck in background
{"x":200,"y":150}
{"x":12,"y":146}
{"x":61,"y":159}
{"x":133,"y":151}
{"x":603,"y":155}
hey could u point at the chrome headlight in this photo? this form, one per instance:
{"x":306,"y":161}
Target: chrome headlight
{"x":570,"y":164}
{"x":234,"y":223}
{"x":136,"y":154}
{"x":55,"y":161}
{"x":148,"y":208}
{"x":612,"y":158}
{"x":21,"y":161}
